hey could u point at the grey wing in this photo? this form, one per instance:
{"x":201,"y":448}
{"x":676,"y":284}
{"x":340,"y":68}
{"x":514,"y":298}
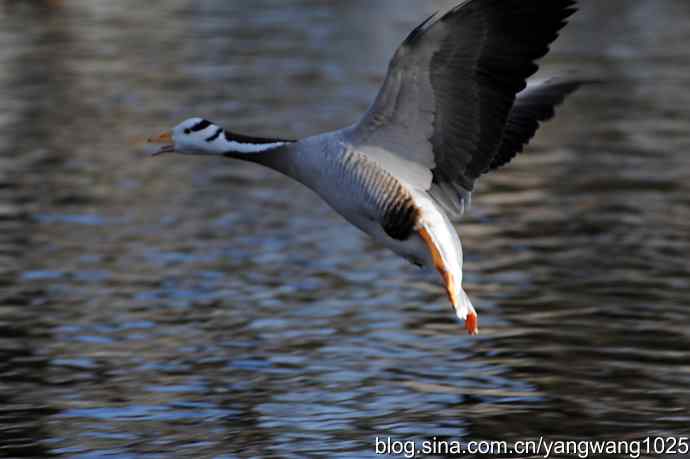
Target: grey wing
{"x":534,"y":105}
{"x":441,"y":113}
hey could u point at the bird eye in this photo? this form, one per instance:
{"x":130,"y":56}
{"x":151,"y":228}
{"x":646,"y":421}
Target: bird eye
{"x":187,"y":131}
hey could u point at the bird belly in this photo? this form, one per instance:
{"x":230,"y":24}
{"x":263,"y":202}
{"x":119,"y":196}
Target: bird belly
{"x":412,"y":249}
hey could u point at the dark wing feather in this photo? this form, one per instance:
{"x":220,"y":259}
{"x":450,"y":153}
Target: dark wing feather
{"x":533,"y":106}
{"x":450,"y":88}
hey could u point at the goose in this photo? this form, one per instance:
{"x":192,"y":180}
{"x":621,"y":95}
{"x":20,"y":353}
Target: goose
{"x":455,"y":105}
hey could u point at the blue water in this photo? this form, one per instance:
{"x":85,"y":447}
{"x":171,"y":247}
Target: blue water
{"x":187,"y":307}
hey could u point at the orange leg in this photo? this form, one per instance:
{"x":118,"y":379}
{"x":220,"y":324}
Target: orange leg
{"x":448,"y":280}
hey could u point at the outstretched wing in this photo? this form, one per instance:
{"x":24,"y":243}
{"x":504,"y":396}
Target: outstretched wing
{"x":441,"y":113}
{"x":534,"y":105}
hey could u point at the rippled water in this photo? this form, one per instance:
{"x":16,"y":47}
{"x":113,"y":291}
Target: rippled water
{"x":186,"y":307}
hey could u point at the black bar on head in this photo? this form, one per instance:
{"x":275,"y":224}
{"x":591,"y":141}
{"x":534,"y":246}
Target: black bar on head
{"x":201,"y":125}
{"x":215,"y":136}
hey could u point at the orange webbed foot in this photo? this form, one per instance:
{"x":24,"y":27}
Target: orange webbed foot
{"x":471,"y":324}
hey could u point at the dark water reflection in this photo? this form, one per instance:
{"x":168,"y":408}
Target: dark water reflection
{"x":201,"y":308}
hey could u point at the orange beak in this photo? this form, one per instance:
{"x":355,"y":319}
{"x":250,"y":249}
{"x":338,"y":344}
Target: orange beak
{"x":166,"y":140}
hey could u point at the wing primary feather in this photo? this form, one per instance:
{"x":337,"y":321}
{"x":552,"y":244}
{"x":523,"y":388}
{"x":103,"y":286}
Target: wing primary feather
{"x":535,"y":105}
{"x":450,"y":91}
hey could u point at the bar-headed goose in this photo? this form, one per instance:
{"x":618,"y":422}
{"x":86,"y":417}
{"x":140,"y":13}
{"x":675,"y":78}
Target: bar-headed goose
{"x":454,"y":105}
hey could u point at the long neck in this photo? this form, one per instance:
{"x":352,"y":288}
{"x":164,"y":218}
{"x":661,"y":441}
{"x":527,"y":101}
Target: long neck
{"x":223,"y":142}
{"x":214,"y":140}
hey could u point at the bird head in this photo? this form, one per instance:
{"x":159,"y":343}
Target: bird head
{"x":190,"y":137}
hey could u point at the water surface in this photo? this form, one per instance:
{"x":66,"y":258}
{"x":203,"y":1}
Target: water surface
{"x":185,"y":307}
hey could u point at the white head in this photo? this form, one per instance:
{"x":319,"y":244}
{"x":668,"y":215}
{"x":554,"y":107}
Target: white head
{"x":198,"y":136}
{"x":189,"y":137}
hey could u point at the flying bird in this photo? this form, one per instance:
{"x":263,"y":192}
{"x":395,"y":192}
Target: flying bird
{"x":455,"y":105}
